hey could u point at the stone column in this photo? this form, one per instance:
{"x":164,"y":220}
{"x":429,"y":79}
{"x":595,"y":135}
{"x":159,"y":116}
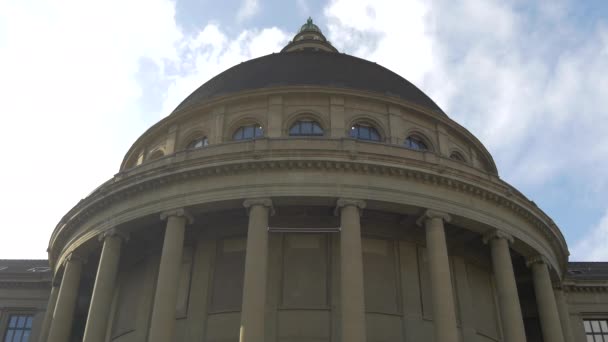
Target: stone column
{"x":101,"y":299}
{"x":444,"y":312}
{"x":63,"y":315}
{"x":545,"y":300}
{"x":351,"y":271}
{"x":48,"y":315}
{"x":256,"y":258}
{"x":162,"y":324}
{"x":564,"y":315}
{"x":508,"y":298}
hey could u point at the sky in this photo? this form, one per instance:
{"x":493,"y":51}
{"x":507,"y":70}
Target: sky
{"x":81,"y":80}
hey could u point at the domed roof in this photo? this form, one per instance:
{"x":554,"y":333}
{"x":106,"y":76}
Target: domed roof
{"x":309,"y":68}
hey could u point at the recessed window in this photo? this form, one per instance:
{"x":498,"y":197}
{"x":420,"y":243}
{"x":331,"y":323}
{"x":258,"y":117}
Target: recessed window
{"x":457,"y":156}
{"x":248,"y":132}
{"x":596,"y":330}
{"x":415,"y":142}
{"x":364,"y":132}
{"x":198,"y":143}
{"x":19,"y":328}
{"x":306,"y":128}
{"x":156,"y":155}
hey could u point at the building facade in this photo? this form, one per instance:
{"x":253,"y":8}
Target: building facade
{"x":310,"y":195}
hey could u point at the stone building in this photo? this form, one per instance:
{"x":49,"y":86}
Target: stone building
{"x":309,"y":195}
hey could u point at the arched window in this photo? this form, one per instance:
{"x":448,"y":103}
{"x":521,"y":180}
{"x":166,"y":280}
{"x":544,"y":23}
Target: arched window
{"x":198,"y":143}
{"x":156,"y":155}
{"x":455,"y":155}
{"x":306,"y":128}
{"x":364,"y":132}
{"x":248,"y":132}
{"x":415,"y":142}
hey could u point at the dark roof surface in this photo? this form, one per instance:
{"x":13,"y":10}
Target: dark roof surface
{"x":309,"y":68}
{"x":588,"y":270}
{"x":13,"y":266}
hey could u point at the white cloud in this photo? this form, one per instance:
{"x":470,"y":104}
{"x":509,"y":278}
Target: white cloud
{"x":213,"y":52}
{"x":248,"y":9}
{"x":594,"y":246}
{"x":528,"y":83}
{"x":72,"y":98}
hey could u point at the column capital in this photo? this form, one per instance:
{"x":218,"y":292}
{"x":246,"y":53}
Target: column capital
{"x":264,"y":202}
{"x":345,"y":202}
{"x":433,"y":214}
{"x":497,"y":234}
{"x":111,"y":233}
{"x":178,"y":212}
{"x":75,"y":257}
{"x":536,"y":259}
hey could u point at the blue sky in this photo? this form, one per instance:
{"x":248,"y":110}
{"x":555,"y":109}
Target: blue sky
{"x":81,"y":80}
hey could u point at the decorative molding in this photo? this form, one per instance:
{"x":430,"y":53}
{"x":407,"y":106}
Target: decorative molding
{"x":433,"y":214}
{"x":537,"y":259}
{"x":75,"y":257}
{"x":345,"y":202}
{"x":179,"y":212}
{"x":124,"y":187}
{"x":497,"y":234}
{"x":112,"y":233}
{"x":265,"y":202}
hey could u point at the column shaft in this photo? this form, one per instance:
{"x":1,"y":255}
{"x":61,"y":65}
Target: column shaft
{"x":564,"y":315}
{"x":105,"y":281}
{"x":351,"y":275}
{"x":48,"y":315}
{"x":444,"y":313}
{"x":162,"y":324}
{"x":508,"y":298}
{"x":254,"y":285}
{"x":61,"y":326}
{"x":545,"y":300}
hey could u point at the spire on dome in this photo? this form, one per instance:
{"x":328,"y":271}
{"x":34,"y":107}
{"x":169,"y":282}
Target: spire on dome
{"x":309,"y":38}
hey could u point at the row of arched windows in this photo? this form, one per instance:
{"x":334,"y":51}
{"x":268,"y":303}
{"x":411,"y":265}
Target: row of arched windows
{"x":311,"y":128}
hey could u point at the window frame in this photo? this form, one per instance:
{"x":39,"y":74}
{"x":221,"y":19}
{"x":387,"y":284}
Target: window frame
{"x":256,"y":127}
{"x":371,"y":128}
{"x":299,"y":122}
{"x":603,"y":328}
{"x":192,"y":143}
{"x":418,"y":139}
{"x":6,"y":319}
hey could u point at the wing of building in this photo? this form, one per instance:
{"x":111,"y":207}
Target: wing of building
{"x":307,"y":195}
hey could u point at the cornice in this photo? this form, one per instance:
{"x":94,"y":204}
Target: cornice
{"x":183,"y":167}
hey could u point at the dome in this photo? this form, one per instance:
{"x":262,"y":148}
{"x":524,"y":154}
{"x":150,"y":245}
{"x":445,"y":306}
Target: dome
{"x":310,"y":68}
{"x":310,"y":26}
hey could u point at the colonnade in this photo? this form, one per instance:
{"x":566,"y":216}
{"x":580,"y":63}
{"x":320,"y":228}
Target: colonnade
{"x":57,"y":324}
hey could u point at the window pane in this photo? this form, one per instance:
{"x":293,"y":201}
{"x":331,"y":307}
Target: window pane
{"x":598,"y":338}
{"x":13,"y":322}
{"x":306,"y":127}
{"x":259,"y":132}
{"x":248,"y":132}
{"x":353,"y":132}
{"x":17,"y":337}
{"x":9,"y":336}
{"x":364,"y":133}
{"x":317,"y":129}
{"x":26,"y":336}
{"x":589,"y":338}
{"x":587,"y":326}
{"x":21,"y":322}
{"x":604,"y":325}
{"x":374,"y":135}
{"x":295,"y":129}
{"x":595,"y":325}
{"x":28,"y":324}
